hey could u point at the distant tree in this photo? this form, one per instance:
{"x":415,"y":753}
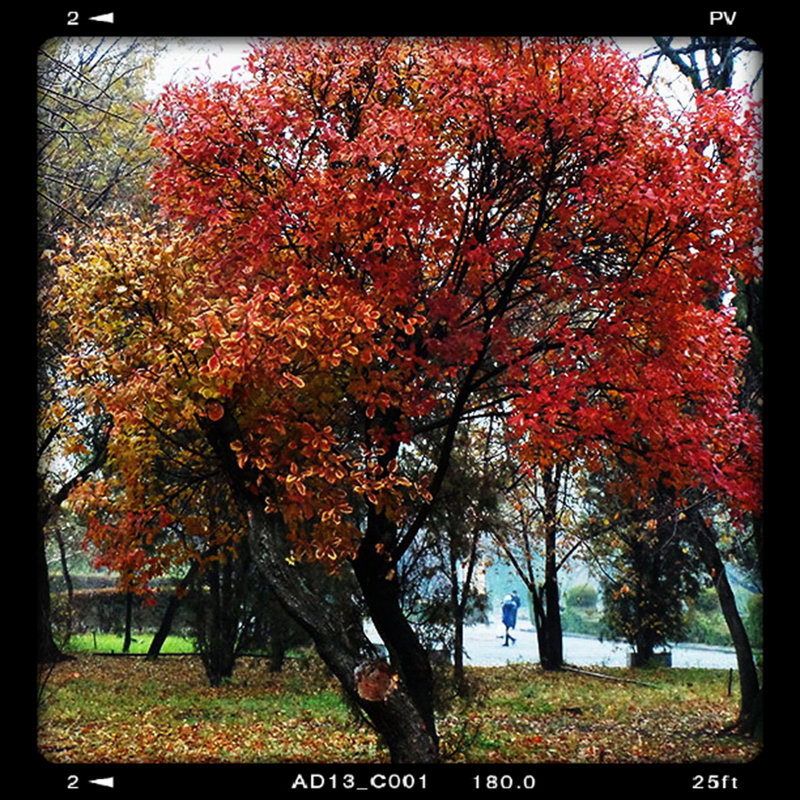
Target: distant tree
{"x":226,"y":599}
{"x":53,"y":489}
{"x":755,"y":620}
{"x":534,"y":538}
{"x":438,"y":572}
{"x":706,"y":61}
{"x":648,"y":570}
{"x":581,"y":596}
{"x":648,"y":578}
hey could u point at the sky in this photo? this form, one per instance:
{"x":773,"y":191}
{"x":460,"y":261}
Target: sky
{"x":186,"y":59}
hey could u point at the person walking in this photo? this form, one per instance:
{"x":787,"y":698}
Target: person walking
{"x":511,"y":604}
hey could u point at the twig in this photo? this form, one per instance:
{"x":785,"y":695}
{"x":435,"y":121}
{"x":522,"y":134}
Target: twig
{"x":609,"y":677}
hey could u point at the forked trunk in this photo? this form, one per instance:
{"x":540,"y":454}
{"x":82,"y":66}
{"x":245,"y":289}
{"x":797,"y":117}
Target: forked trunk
{"x":403,"y":717}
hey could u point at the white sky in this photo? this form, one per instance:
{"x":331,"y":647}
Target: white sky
{"x":186,"y":59}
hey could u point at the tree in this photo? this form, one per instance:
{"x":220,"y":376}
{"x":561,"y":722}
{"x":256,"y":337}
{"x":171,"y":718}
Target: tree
{"x":442,"y":564}
{"x":702,"y":529}
{"x":234,"y":611}
{"x":225,"y":605}
{"x":706,"y":61}
{"x":92,"y":148}
{"x":92,"y":153}
{"x":709,"y":64}
{"x":49,"y":499}
{"x":365,"y":241}
{"x":649,"y":577}
{"x":171,"y":610}
{"x":531,"y":531}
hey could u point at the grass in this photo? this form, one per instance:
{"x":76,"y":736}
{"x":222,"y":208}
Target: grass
{"x":569,"y":717}
{"x":112,"y":643}
{"x":119,"y":710}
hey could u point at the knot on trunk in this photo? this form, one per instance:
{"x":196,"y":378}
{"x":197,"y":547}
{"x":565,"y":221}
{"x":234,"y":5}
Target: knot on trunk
{"x":375,"y":680}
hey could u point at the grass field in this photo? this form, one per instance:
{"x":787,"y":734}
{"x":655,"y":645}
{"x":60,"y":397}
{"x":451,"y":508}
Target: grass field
{"x":98,"y":709}
{"x":112,"y":643}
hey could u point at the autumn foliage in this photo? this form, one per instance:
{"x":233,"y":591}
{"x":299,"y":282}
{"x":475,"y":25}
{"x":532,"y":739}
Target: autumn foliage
{"x":362,"y":242}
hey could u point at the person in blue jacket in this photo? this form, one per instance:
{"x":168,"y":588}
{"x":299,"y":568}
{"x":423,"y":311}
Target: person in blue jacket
{"x":511,"y":603}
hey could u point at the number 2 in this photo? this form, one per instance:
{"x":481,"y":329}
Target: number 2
{"x":72,"y":17}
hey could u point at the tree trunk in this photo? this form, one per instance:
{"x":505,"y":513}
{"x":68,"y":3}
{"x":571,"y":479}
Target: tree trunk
{"x":460,"y":604}
{"x":538,"y":616}
{"x":404,"y":718}
{"x":62,"y":555}
{"x":458,"y":653}
{"x":169,"y":615}
{"x":217,"y":623}
{"x":643,"y":654}
{"x":645,"y":584}
{"x":552,"y":657}
{"x":377,"y":578}
{"x":548,"y":630}
{"x":164,"y":628}
{"x":126,"y":644}
{"x":277,"y":648}
{"x":405,"y":728}
{"x":47,"y":650}
{"x":750,"y":710}
{"x":548,"y":627}
{"x":458,"y":617}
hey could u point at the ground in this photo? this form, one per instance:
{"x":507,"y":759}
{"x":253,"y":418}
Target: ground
{"x":99,"y":709}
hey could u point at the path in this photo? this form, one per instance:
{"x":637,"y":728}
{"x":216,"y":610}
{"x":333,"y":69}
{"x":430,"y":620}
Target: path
{"x":483,"y":646}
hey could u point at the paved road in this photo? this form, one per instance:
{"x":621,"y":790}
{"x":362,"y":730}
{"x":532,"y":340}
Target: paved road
{"x":483,"y":645}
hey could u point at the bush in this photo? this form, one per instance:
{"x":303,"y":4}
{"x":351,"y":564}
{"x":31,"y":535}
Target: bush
{"x":754,"y":622}
{"x":705,"y":623}
{"x":707,"y":602}
{"x":583,"y":596}
{"x":585,"y":621}
{"x":103,"y":610}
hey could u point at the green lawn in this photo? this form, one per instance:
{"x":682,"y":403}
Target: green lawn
{"x":112,"y":643}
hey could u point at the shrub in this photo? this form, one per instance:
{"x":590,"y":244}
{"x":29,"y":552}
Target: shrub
{"x":583,"y":596}
{"x":705,"y":622}
{"x":754,"y":622}
{"x":585,"y":621}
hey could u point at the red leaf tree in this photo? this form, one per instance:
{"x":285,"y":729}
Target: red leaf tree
{"x":367,"y":242}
